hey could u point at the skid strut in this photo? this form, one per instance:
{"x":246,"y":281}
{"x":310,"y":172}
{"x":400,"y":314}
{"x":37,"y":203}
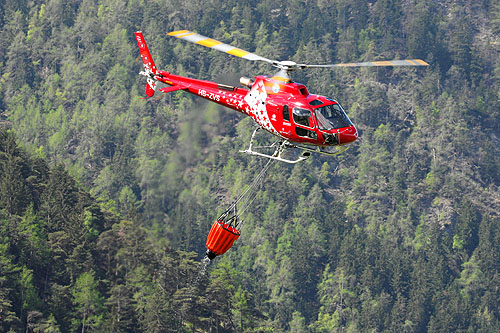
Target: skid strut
{"x":280,"y":148}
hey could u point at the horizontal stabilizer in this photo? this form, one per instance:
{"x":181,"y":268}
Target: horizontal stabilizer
{"x":172,"y":88}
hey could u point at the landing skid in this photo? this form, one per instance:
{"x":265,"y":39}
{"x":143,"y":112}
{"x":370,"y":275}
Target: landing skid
{"x":282,"y":145}
{"x":338,"y":150}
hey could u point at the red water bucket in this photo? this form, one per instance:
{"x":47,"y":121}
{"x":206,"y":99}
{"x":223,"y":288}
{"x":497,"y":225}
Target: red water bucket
{"x":220,"y":238}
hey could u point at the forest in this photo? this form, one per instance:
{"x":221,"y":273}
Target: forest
{"x":106,"y":199}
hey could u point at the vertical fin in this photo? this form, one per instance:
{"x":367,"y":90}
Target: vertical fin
{"x":149,"y":65}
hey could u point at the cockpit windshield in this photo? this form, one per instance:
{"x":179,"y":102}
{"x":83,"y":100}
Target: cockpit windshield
{"x":331,"y":116}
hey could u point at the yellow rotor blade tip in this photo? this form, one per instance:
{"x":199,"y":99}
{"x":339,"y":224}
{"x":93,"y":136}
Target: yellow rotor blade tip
{"x":178,"y":32}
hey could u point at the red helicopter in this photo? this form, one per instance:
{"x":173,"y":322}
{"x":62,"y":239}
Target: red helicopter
{"x":300,"y":120}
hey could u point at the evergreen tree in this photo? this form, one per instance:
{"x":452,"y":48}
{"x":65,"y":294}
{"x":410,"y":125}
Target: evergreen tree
{"x":88,"y":303}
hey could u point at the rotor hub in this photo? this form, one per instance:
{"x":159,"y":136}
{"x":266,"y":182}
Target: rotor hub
{"x":287,"y":65}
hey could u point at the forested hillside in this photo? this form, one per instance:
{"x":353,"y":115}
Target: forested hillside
{"x":106,"y":199}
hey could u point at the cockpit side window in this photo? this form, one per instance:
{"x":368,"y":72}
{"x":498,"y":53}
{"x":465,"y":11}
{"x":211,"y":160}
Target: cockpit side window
{"x":286,"y":113}
{"x":302,"y":117}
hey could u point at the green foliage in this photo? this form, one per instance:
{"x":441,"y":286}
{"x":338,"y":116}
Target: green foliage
{"x":88,"y":303}
{"x":400,"y":233}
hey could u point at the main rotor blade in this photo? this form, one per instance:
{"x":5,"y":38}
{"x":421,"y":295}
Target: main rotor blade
{"x":405,"y":62}
{"x":216,"y":45}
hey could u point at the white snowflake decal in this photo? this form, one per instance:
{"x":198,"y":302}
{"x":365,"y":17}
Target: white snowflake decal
{"x":256,"y":100}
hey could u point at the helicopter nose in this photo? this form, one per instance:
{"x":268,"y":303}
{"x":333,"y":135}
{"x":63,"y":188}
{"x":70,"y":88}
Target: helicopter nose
{"x":349,"y":135}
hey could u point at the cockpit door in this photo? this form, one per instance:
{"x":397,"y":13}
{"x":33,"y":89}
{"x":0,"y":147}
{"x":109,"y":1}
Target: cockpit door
{"x":304,"y":123}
